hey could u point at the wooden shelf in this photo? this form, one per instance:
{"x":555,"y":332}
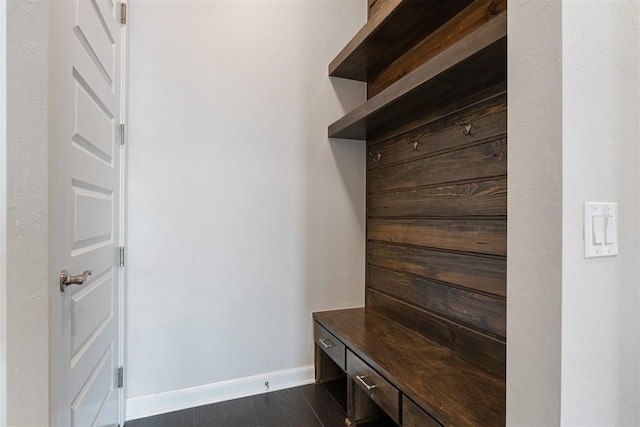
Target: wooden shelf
{"x":475,"y":62}
{"x":390,"y":32}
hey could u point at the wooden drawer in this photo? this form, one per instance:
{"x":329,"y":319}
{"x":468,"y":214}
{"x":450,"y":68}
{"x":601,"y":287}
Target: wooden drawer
{"x":413,"y":416}
{"x":330,"y":345}
{"x":376,"y":387}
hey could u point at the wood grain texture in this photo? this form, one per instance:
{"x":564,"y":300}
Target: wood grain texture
{"x":239,"y":412}
{"x":322,"y":403}
{"x":482,"y":312}
{"x":468,"y":20}
{"x":435,"y":124}
{"x":488,"y":120}
{"x":482,"y":236}
{"x":268,"y":410}
{"x":477,"y":273}
{"x":296,"y":411}
{"x":209,"y":416}
{"x":378,"y":6}
{"x":413,"y":416}
{"x":452,"y":390}
{"x":170,"y":419}
{"x":441,"y":111}
{"x":394,"y":26}
{"x":438,"y":82}
{"x":483,"y":161}
{"x":386,"y":396}
{"x":325,"y":368}
{"x":468,"y":199}
{"x":361,"y":409}
{"x":330,"y":345}
{"x":484,"y":351}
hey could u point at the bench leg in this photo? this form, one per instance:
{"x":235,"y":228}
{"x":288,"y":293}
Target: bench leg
{"x":360,"y":407}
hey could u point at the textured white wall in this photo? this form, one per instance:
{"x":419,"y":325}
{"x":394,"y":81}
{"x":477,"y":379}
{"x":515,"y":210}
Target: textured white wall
{"x":3,"y":214}
{"x":243,"y":218}
{"x":573,"y":324}
{"x":601,"y":158}
{"x":534,"y":246}
{"x":27,"y":293}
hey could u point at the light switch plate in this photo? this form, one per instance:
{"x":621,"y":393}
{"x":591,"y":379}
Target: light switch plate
{"x":600,"y":229}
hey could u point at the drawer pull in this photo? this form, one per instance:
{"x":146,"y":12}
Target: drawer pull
{"x":326,"y":343}
{"x":364,"y":383}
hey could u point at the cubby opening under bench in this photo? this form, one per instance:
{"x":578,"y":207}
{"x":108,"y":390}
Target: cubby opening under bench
{"x":429,"y":347}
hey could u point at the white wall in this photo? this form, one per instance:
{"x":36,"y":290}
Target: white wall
{"x":243,"y":218}
{"x":534,"y":229}
{"x":573,"y":137}
{"x":27,"y":301}
{"x":601,"y":157}
{"x":3,"y":213}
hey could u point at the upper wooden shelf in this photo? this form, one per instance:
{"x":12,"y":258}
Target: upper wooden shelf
{"x":391,"y":31}
{"x":475,"y":62}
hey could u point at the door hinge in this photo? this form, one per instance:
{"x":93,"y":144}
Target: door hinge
{"x":121,"y":256}
{"x":121,"y":134}
{"x":123,"y":13}
{"x":120,"y":377}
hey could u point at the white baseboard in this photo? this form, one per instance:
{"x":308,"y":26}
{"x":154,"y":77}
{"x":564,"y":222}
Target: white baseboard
{"x":190,"y":397}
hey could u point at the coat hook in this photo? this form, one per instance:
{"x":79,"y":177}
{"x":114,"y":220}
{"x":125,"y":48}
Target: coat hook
{"x":376,"y":157}
{"x":466,"y":128}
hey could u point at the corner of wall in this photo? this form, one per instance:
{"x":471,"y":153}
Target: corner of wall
{"x":3,"y":213}
{"x":534,"y":247}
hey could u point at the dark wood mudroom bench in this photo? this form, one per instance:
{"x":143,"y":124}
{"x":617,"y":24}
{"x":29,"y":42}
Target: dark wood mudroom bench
{"x":429,"y":348}
{"x":414,"y":380}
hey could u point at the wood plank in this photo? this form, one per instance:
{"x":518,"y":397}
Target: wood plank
{"x":445,"y":78}
{"x":469,"y":199}
{"x":487,"y":120}
{"x":459,"y":104}
{"x":378,"y":6}
{"x":413,"y":416}
{"x":177,"y":418}
{"x":470,"y":19}
{"x":323,"y":405}
{"x":239,"y":412}
{"x":268,"y":409}
{"x":393,"y":27}
{"x":296,"y":409}
{"x":454,"y":391}
{"x":169,"y":419}
{"x":486,"y":313}
{"x":483,"y":236}
{"x":483,"y":161}
{"x":482,"y":350}
{"x":208,"y":416}
{"x":478,"y":273}
{"x":370,"y":5}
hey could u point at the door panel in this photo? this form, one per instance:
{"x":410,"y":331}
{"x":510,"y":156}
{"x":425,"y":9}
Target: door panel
{"x":92,"y":217}
{"x":85,"y":161}
{"x":95,"y":129}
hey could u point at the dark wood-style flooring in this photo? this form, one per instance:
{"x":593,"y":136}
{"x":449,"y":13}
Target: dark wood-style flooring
{"x":312,"y":405}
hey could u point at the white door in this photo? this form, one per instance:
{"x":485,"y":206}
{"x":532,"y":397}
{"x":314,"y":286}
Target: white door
{"x":85,"y":113}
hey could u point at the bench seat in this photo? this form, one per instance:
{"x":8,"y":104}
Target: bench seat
{"x":451,"y":390}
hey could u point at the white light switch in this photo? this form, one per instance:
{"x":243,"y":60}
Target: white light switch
{"x":611,"y":225}
{"x":600,"y":229}
{"x":597,"y":224}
